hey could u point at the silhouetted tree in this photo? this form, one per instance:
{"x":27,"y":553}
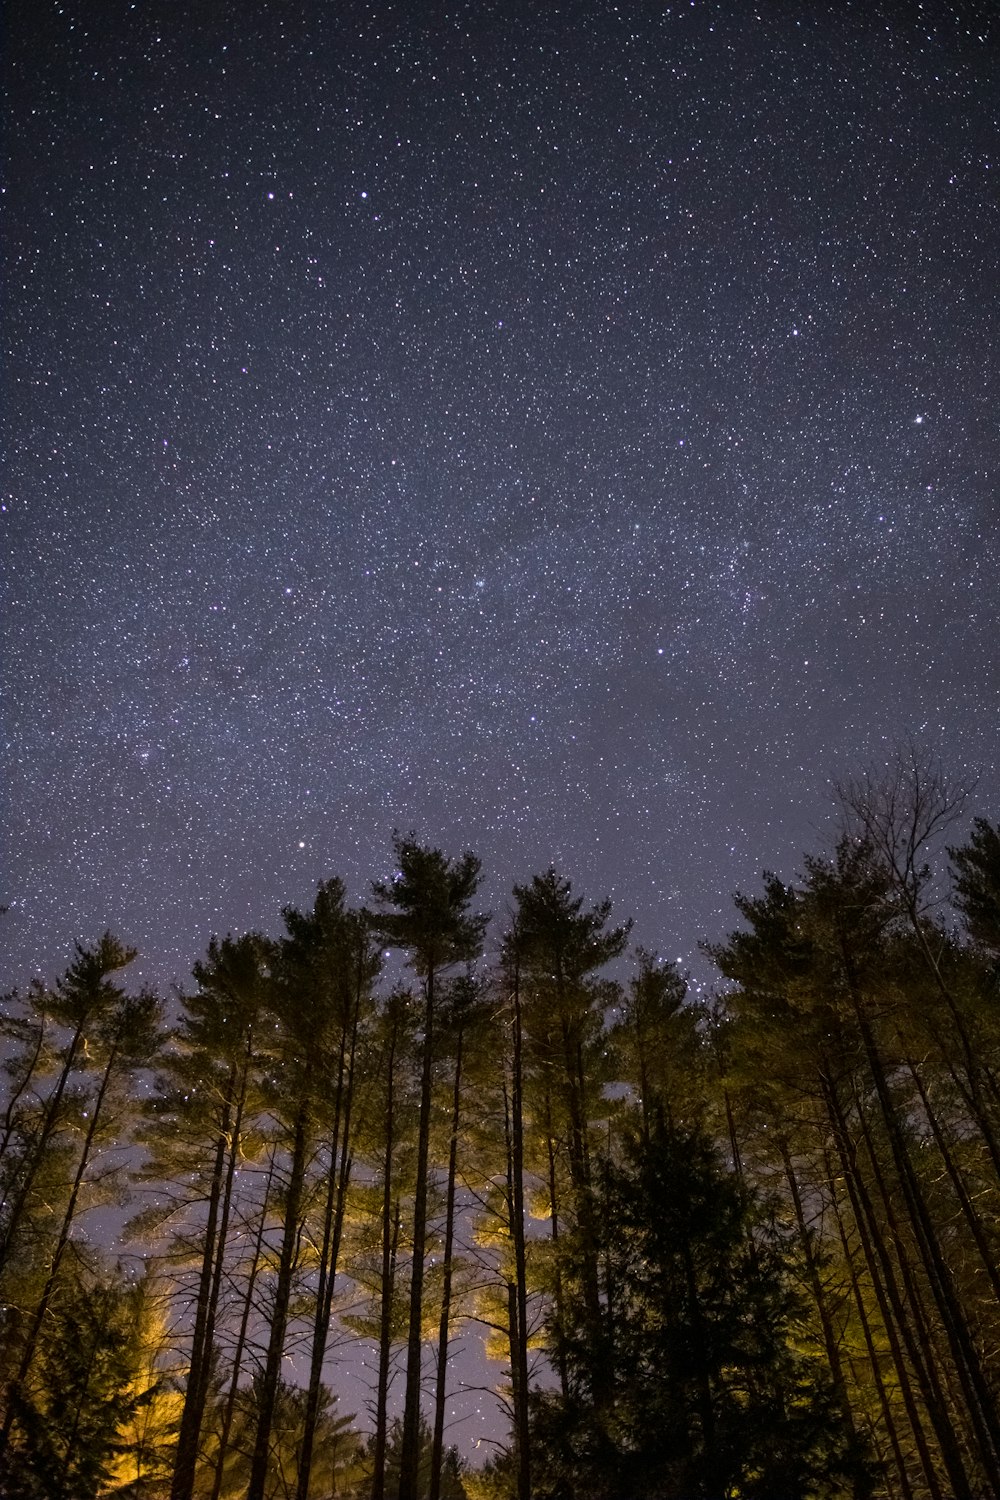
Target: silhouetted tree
{"x":425,"y":909}
{"x":701,"y":1391}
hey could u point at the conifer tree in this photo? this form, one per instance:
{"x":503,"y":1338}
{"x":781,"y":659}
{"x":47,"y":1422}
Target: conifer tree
{"x":305,"y":996}
{"x":83,"y":997}
{"x":425,"y":910}
{"x":109,"y":1032}
{"x":976,"y":871}
{"x":561,"y":949}
{"x":206,"y":1092}
{"x":332,"y":948}
{"x":701,"y":1392}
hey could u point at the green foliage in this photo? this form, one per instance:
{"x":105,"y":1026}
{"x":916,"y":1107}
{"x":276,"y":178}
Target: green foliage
{"x":452,"y":1468}
{"x":696,"y":1346}
{"x":70,"y":1420}
{"x":338,"y":1466}
{"x":692,"y":1386}
{"x":976,"y":867}
{"x":425,"y":907}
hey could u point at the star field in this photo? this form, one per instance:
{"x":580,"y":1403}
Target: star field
{"x":568,"y":433}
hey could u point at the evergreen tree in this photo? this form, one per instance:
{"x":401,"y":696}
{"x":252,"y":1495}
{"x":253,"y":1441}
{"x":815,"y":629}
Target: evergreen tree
{"x":559,"y":949}
{"x":701,"y":1393}
{"x":333,"y":948}
{"x":65,"y":1442}
{"x":824,"y":977}
{"x":310,"y":984}
{"x":425,"y":909}
{"x":207,"y":1090}
{"x":82,"y":999}
{"x":976,"y":869}
{"x":657,"y":1048}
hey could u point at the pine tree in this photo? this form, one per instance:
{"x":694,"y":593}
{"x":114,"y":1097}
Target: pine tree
{"x":82,"y":998}
{"x":425,"y":909}
{"x":976,"y":870}
{"x":560,"y":950}
{"x":72,"y":1420}
{"x":207,"y":1090}
{"x":701,"y":1392}
{"x":305,"y":1050}
{"x":333,"y":949}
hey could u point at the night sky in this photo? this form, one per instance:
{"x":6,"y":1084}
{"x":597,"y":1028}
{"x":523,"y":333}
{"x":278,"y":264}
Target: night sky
{"x":565,"y":431}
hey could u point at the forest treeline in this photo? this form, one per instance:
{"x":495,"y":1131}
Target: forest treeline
{"x":745,"y":1245}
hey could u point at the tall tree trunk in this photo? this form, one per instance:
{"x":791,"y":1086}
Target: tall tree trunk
{"x":979,"y":1400}
{"x":972,"y":1219}
{"x":282,"y":1296}
{"x":519,"y":1353}
{"x":898,"y":1327}
{"x":391,"y":1228}
{"x":979,"y":1079}
{"x":554,"y":1206}
{"x":69,"y":1214}
{"x":814,"y":1279}
{"x":440,"y":1394}
{"x":874,"y":1361}
{"x":199,"y":1367}
{"x":229,"y":1409}
{"x":409,"y":1460}
{"x":583,"y":1203}
{"x":333,"y":1223}
{"x":390,"y":1240}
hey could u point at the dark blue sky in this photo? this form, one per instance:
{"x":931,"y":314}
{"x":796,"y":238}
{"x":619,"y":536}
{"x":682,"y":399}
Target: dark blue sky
{"x":565,"y":431}
{"x":570,"y":435}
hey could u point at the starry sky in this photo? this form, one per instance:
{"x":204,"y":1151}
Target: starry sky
{"x":567,"y":431}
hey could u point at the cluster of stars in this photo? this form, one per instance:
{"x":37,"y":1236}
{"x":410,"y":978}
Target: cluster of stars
{"x":572,"y":438}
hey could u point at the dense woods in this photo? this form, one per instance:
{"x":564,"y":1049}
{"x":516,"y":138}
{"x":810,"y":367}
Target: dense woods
{"x":743,"y":1245}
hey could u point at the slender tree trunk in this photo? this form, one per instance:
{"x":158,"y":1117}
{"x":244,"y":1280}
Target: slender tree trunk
{"x":898,"y":1327}
{"x":519,"y":1354}
{"x":440,"y":1394}
{"x":972,"y":1219}
{"x":939,"y":1372}
{"x":937,"y":1367}
{"x":282,"y":1297}
{"x":186,"y":1457}
{"x":734,"y":1144}
{"x":874,"y":1362}
{"x":978,"y":1397}
{"x":974,"y":1070}
{"x":390,"y":1238}
{"x":409,"y":1461}
{"x":229,"y":1410}
{"x":513,"y":1322}
{"x":38,"y":1318}
{"x":586,"y":1219}
{"x":392,"y":1227}
{"x":553,"y":1203}
{"x":333,"y":1224}
{"x":816,"y":1286}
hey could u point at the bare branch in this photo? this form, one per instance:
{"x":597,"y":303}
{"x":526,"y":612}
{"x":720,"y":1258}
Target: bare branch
{"x":900,"y":811}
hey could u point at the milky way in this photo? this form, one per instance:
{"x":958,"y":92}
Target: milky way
{"x":570,"y":435}
{"x":564,"y":431}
